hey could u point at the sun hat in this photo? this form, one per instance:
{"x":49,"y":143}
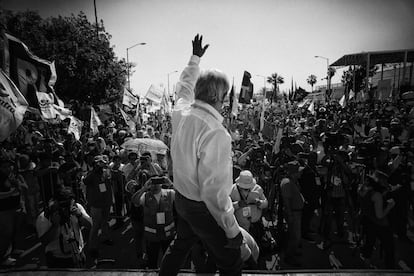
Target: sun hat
{"x":246,"y":180}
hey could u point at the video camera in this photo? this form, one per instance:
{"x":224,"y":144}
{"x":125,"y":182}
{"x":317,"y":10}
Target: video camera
{"x":333,"y":140}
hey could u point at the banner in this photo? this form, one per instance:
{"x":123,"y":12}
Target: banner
{"x":129,"y":99}
{"x":75,"y":127}
{"x":128,"y":121}
{"x":30,"y":73}
{"x":12,"y":107}
{"x":246,"y":91}
{"x":95,"y":122}
{"x":155,"y":94}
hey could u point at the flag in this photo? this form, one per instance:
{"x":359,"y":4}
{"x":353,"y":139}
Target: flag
{"x":246,"y":91}
{"x":300,"y":94}
{"x":49,"y":110}
{"x":278,"y":140}
{"x":155,"y":94}
{"x":342,"y":101}
{"x":165,"y":103}
{"x":12,"y":106}
{"x":75,"y":127}
{"x":234,"y":103}
{"x":30,"y":73}
{"x":129,"y":99}
{"x":311,"y":108}
{"x":128,"y":120}
{"x":351,"y":94}
{"x":95,"y":122}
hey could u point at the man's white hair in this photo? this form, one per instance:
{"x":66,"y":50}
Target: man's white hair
{"x":211,"y":86}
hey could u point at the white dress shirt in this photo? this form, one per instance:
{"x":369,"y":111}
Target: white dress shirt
{"x":201,"y":152}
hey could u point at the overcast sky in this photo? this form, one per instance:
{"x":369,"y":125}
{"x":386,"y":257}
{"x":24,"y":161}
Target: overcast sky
{"x":261,"y":36}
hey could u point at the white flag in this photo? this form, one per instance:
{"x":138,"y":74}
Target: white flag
{"x":154,"y":94}
{"x":128,"y":121}
{"x":342,"y":101}
{"x":311,"y":108}
{"x":51,"y":111}
{"x":12,"y":107}
{"x":75,"y":127}
{"x":95,"y":122}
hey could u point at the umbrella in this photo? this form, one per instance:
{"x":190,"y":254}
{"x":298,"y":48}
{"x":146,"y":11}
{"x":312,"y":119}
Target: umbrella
{"x":140,"y":145}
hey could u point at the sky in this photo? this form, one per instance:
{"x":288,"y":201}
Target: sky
{"x":261,"y":36}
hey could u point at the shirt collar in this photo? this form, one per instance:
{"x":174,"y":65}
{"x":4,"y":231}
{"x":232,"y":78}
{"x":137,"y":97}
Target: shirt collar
{"x":209,"y":109}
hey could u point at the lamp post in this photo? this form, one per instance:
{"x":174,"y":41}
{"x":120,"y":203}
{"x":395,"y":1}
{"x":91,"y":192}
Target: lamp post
{"x":328,"y":76}
{"x":127,"y":49}
{"x":168,"y":83}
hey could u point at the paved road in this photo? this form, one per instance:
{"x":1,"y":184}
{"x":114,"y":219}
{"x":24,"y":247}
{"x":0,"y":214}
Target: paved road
{"x":123,"y":254}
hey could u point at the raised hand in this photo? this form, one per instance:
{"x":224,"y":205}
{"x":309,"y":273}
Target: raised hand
{"x":198,"y":49}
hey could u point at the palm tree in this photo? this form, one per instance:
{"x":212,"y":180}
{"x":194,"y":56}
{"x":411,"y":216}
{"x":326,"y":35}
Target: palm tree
{"x":275,"y":79}
{"x":312,"y":80}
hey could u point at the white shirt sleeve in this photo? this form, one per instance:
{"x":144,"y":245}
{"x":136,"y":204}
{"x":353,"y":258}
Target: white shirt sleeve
{"x":42,"y":225}
{"x":215,"y":179}
{"x":186,"y":84}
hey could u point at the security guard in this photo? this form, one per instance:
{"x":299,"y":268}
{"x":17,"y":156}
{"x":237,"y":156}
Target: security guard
{"x":159,"y":226}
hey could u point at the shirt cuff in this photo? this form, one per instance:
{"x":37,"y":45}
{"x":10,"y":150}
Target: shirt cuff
{"x":194,"y":60}
{"x":233,"y":231}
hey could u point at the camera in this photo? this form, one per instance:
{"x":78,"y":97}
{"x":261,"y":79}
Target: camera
{"x":63,"y":208}
{"x":157,"y":180}
{"x":333,"y":140}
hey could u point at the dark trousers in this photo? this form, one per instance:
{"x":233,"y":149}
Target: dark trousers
{"x":153,"y":251}
{"x":334,"y":205}
{"x":195,"y":223}
{"x":385,"y":235}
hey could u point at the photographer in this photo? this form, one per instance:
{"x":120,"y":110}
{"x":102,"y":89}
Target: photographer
{"x":159,"y":226}
{"x":58,"y":228}
{"x":99,"y":197}
{"x":375,"y":218}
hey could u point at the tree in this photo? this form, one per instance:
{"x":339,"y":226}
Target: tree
{"x":86,"y":66}
{"x":275,"y":79}
{"x":312,"y":80}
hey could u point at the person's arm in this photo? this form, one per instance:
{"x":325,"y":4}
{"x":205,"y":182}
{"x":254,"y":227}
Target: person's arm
{"x":188,"y":78}
{"x":215,"y":179}
{"x":380,"y":212}
{"x":136,"y":199}
{"x":262,"y":202}
{"x":83,"y":216}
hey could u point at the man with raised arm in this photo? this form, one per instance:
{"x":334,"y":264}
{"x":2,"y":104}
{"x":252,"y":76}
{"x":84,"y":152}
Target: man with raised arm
{"x":202,"y":169}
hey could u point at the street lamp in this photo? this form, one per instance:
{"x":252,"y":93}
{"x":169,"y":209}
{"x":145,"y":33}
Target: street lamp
{"x":168,"y":77}
{"x":127,"y":49}
{"x":328,"y":76}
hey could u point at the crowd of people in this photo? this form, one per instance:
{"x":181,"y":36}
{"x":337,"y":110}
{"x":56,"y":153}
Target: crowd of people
{"x":349,"y":167}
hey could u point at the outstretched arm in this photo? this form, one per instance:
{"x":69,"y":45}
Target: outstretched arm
{"x":188,"y":78}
